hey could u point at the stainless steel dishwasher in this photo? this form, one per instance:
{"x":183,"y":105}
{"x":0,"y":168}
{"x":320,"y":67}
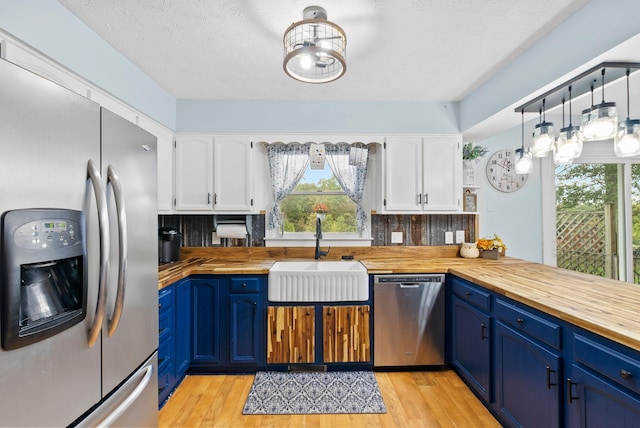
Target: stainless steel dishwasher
{"x":408,"y":320}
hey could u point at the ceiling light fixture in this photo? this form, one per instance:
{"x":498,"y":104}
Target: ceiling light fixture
{"x":569,"y":143}
{"x":524,"y":162}
{"x":627,"y":142}
{"x":543,"y":137}
{"x":603,"y":120}
{"x":314,"y":48}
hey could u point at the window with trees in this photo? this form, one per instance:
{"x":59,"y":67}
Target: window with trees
{"x":318,"y":194}
{"x":598,"y":219}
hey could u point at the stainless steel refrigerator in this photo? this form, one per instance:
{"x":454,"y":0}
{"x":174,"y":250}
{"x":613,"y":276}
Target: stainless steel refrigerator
{"x":60,"y":152}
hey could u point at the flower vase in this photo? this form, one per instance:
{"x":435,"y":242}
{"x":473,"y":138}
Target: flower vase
{"x":321,"y":216}
{"x":490,"y":254}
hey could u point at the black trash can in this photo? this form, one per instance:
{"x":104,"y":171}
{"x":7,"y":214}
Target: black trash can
{"x":169,"y":241}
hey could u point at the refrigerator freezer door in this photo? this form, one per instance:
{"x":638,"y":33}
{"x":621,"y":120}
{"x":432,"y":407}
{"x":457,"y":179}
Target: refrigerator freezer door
{"x":47,"y":134}
{"x":129,"y":159}
{"x":128,"y":406}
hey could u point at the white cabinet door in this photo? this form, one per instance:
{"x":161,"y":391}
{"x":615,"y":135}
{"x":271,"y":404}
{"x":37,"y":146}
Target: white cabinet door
{"x":441,"y":173}
{"x":422,"y":174}
{"x":403,"y":174}
{"x":232,"y":171}
{"x":193,"y":175}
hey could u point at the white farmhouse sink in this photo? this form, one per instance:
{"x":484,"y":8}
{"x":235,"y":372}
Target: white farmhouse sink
{"x":318,"y":281}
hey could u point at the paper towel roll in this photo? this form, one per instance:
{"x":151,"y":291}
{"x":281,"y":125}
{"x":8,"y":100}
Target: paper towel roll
{"x":238,"y":231}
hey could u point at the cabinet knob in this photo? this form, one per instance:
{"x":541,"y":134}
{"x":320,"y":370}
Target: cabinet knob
{"x":308,"y":313}
{"x":520,"y":321}
{"x":625,"y":374}
{"x":467,"y":293}
{"x":244,"y":285}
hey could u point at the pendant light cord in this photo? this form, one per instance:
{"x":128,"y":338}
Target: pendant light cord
{"x":523,"y":131}
{"x":628,"y":105}
{"x":569,"y":106}
{"x":603,"y":85}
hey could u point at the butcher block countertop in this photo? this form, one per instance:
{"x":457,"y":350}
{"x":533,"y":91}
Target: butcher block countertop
{"x":605,"y":307}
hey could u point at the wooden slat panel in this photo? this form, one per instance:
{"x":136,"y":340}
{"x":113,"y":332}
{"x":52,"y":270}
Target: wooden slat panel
{"x":290,"y":334}
{"x":346,"y":334}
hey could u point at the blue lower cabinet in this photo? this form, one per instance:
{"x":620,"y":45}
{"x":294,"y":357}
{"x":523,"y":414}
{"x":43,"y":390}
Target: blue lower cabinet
{"x":166,"y":343}
{"x":528,"y":380}
{"x":593,"y":402}
{"x":245,"y":329}
{"x":228,"y":329}
{"x":471,"y":346}
{"x":209,"y":304}
{"x":183,"y":327}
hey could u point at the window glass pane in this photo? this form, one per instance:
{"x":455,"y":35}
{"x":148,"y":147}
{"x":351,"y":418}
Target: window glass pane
{"x":317,"y":190}
{"x":635,"y":212}
{"x":587,"y":199}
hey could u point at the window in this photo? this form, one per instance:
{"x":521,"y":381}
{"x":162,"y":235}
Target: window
{"x":597,"y":215}
{"x":318,"y":189}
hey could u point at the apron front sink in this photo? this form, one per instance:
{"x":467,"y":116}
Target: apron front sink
{"x":318,"y":281}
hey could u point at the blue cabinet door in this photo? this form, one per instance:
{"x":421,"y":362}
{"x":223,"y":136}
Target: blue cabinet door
{"x":471,"y":346}
{"x":183,"y":326}
{"x":245,"y":325}
{"x":593,"y":402}
{"x":209,"y":310}
{"x":528,"y":381}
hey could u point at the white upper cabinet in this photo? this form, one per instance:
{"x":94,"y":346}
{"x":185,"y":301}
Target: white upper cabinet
{"x":213,"y":173}
{"x":422,"y":174}
{"x":232,"y":173}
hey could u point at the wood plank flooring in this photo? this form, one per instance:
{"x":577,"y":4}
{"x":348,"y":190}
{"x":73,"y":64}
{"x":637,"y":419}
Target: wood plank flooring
{"x":413,"y":399}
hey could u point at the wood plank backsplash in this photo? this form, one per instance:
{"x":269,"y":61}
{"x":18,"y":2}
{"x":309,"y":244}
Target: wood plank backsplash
{"x":418,"y":230}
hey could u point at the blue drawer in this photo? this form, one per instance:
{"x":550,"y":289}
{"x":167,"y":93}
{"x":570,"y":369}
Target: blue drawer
{"x":245,"y":285}
{"x":617,"y":367}
{"x":472,"y":294}
{"x":532,"y":325}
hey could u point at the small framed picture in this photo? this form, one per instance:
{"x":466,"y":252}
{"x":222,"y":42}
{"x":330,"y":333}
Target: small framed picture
{"x":470,"y":202}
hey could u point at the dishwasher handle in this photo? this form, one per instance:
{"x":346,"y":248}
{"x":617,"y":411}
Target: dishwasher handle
{"x":410,"y":285}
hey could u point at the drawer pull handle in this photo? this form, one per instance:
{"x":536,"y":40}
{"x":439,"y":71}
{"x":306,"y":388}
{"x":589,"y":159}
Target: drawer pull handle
{"x":549,"y":371}
{"x":159,"y":305}
{"x":569,"y":390}
{"x":467,"y":293}
{"x":625,"y":374}
{"x":520,"y":321}
{"x":244,"y":285}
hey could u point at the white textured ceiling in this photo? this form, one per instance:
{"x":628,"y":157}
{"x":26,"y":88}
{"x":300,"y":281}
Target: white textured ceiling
{"x":397,"y":50}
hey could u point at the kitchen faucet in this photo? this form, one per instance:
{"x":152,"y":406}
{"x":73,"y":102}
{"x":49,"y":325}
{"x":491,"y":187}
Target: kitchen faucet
{"x":319,"y":252}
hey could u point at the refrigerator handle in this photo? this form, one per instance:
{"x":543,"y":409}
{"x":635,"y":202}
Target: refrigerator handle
{"x":112,"y":177}
{"x":103,"y":225}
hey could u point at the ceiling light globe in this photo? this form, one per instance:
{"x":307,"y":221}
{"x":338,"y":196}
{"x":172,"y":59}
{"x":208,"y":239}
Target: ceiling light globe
{"x":568,"y":145}
{"x":603,"y":122}
{"x":542,"y":142}
{"x":627,"y":141}
{"x":524,"y":163}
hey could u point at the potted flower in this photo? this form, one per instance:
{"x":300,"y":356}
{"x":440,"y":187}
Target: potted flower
{"x":471,"y":153}
{"x":321,"y":210}
{"x":491,"y":248}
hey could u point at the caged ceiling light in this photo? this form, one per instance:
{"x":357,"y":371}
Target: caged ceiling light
{"x":314,"y":48}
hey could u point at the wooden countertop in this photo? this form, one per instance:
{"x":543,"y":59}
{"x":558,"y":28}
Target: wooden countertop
{"x":606,"y":307}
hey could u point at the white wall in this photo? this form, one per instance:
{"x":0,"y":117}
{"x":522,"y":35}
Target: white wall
{"x":50,"y":28}
{"x":516,"y":217}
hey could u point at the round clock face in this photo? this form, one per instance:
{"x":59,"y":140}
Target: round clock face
{"x":501,"y":171}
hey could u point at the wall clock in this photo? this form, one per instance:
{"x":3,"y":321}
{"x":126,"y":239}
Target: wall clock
{"x":501,"y":171}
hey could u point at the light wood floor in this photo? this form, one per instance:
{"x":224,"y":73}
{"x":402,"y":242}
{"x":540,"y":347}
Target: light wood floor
{"x":413,"y":399}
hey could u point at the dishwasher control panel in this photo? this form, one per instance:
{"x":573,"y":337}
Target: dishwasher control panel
{"x":430,"y":278}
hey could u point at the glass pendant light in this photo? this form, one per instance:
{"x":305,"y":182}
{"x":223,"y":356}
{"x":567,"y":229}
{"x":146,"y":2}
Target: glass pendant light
{"x":543,"y":139}
{"x":586,"y":126}
{"x":524,"y":162}
{"x":569,"y":143}
{"x":603,"y":120}
{"x":627,"y":141}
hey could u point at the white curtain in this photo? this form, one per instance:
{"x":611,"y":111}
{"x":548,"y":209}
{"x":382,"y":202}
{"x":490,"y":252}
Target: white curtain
{"x":287,"y":164}
{"x":350,"y":175}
